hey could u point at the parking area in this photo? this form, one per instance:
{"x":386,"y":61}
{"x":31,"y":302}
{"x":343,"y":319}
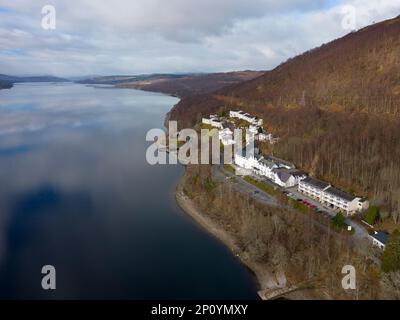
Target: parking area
{"x":360,"y":231}
{"x":296,"y":195}
{"x":293,"y":193}
{"x":309,"y":202}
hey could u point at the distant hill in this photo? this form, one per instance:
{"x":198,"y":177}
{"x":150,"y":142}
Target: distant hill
{"x":5,"y":84}
{"x":176,"y":84}
{"x":192,"y":84}
{"x":14,"y":79}
{"x":336,"y":109}
{"x":122,"y":79}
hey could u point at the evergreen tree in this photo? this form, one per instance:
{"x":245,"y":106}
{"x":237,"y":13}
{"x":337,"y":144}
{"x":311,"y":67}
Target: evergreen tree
{"x":391,"y":255}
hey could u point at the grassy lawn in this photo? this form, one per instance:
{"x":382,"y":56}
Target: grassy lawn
{"x":229,"y":168}
{"x":263,"y":186}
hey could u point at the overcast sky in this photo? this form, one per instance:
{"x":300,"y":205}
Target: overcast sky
{"x":146,"y":36}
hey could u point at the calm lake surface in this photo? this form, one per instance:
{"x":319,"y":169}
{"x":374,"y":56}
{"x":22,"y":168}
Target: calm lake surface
{"x":77,"y":193}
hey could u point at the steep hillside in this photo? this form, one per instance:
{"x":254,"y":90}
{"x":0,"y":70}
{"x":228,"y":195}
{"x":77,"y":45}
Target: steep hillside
{"x":336,"y":108}
{"x":360,"y":71}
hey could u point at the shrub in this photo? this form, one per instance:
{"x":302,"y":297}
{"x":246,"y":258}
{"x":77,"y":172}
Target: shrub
{"x":209,"y":185}
{"x":391,"y":255}
{"x":372,"y":215}
{"x":338,"y":221}
{"x":229,"y":168}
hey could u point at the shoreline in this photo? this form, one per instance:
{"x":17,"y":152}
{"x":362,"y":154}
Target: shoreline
{"x":262,"y":276}
{"x":266,"y":281}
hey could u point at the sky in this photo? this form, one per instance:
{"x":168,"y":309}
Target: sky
{"x":125,"y":37}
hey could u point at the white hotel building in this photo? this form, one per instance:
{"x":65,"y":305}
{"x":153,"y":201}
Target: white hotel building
{"x":247,"y":158}
{"x":332,"y":197}
{"x":247,"y":117}
{"x":226,"y":137}
{"x":265,"y":167}
{"x":213,"y":121}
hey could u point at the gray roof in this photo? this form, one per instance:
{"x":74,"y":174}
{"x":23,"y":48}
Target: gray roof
{"x":268,"y":163}
{"x":316,"y":183}
{"x":229,"y":125}
{"x":280,"y":161}
{"x":285,"y":174}
{"x":339,"y":193}
{"x":297,"y":173}
{"x":382,"y":237}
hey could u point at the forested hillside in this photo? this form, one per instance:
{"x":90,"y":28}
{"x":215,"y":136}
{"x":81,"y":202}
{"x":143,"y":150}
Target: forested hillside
{"x":336,"y":108}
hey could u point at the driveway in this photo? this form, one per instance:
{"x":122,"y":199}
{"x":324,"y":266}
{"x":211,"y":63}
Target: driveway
{"x":359,"y":232}
{"x":244,"y":187}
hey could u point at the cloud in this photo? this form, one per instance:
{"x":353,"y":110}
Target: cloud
{"x":145,"y":36}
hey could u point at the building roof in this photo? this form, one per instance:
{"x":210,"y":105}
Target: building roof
{"x":267,"y":162}
{"x":340,"y":194}
{"x":316,"y":183}
{"x":285,"y":174}
{"x":280,"y":161}
{"x":381,"y":236}
{"x":293,"y":172}
{"x":265,"y":134}
{"x":229,"y":125}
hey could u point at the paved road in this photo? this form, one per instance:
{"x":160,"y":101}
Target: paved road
{"x":262,"y":197}
{"x":359,"y":232}
{"x":244,"y":187}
